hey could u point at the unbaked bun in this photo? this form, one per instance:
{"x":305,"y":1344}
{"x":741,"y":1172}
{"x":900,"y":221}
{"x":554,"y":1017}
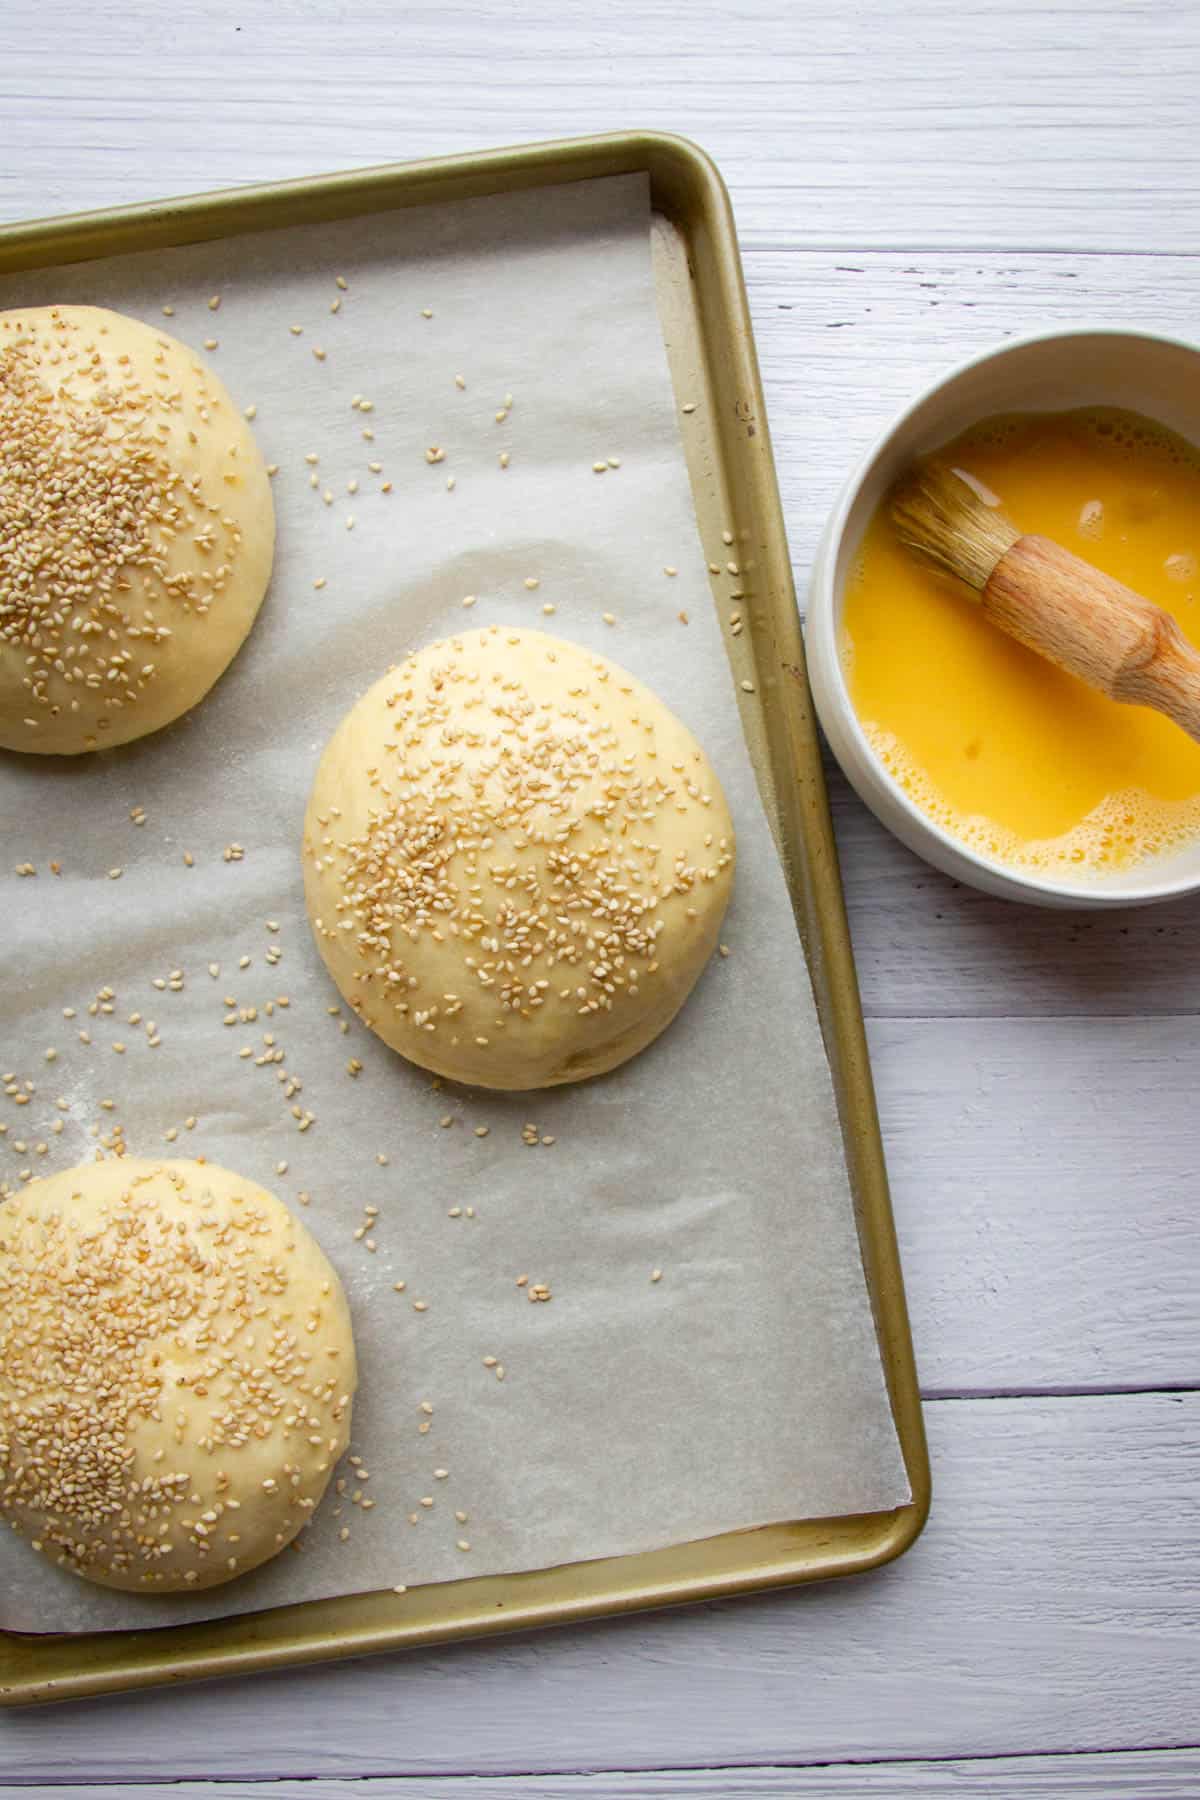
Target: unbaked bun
{"x":176,"y":1373}
{"x":516,"y":860}
{"x":136,"y":529}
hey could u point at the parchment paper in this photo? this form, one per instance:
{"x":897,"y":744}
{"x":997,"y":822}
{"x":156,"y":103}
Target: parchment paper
{"x":742,"y":1387}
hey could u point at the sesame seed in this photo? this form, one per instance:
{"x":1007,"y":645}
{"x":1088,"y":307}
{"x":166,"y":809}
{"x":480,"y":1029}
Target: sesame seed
{"x":732,"y":567}
{"x":724,"y":949}
{"x":398,"y":1287}
{"x":656,"y":1274}
{"x":420,"y":1306}
{"x":614,"y":462}
{"x":435,"y":454}
{"x":682,"y":617}
{"x":689,"y":406}
{"x":481,"y":1131}
{"x":549,"y":608}
{"x":381,"y":1158}
{"x":250,"y":412}
{"x":461,"y":1517}
{"x":460,"y":381}
{"x":446,"y":1121}
{"x":318,"y":353}
{"x":600,"y":468}
{"x":469,"y":599}
{"x":115,"y":874}
{"x":168,"y":312}
{"x":532,"y":582}
{"x":210,"y":343}
{"x":52,"y":1056}
{"x":747,"y":687}
{"x":214,"y":303}
{"x":504,"y":459}
{"x":609,"y":618}
{"x":340,"y":281}
{"x":463,"y":1544}
{"x":727,"y":537}
{"x":669,"y":569}
{"x":281,"y":1168}
{"x":189,"y":860}
{"x":319,"y":583}
{"x":335,"y":306}
{"x":427,"y":312}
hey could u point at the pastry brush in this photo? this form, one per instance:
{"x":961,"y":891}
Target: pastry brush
{"x":1114,"y":639}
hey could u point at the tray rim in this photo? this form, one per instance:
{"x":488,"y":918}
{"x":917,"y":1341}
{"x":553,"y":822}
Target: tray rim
{"x":685,"y":184}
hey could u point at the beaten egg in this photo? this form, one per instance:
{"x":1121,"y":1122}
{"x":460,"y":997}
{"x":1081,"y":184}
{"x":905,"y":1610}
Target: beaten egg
{"x":1017,"y":759}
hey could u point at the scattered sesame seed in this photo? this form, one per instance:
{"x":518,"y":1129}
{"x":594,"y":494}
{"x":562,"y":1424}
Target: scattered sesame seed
{"x":463,"y":1544}
{"x":656,"y":1274}
{"x":420,"y":1306}
{"x":600,"y":468}
{"x":400,"y":1589}
{"x":214,"y":303}
{"x":250,"y":412}
{"x":272,"y":468}
{"x":460,"y":381}
{"x":532,"y":582}
{"x":168,"y":312}
{"x":335,"y":306}
{"x":398,"y":1287}
{"x":319,"y":583}
{"x":481,"y":1131}
{"x":440,"y":1474}
{"x":52,"y":1056}
{"x":210,"y":343}
{"x":727,"y":537}
{"x":461,"y":1517}
{"x":381,"y":1158}
{"x":609,"y":618}
{"x":427,"y":312}
{"x":747,"y":687}
{"x":318,"y":353}
{"x":504,"y":459}
{"x":435,"y":454}
{"x":450,"y":485}
{"x":724,"y":949}
{"x":732,"y":567}
{"x":340,"y":281}
{"x":549,"y":608}
{"x":614,"y":462}
{"x":115,"y":874}
{"x":682,"y":617}
{"x":669,"y":569}
{"x":281,"y":1168}
{"x":689,"y":407}
{"x":469,"y":599}
{"x":189,"y":860}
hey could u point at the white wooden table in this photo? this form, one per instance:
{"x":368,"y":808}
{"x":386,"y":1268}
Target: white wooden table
{"x":913,"y":180}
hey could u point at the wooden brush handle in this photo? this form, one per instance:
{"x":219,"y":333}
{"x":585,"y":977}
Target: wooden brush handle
{"x":1094,"y":627}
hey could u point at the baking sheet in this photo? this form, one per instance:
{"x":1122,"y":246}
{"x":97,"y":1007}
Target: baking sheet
{"x":744,"y":1386}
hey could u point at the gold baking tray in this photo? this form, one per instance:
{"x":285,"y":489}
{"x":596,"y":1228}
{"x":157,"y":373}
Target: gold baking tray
{"x":706,"y":324}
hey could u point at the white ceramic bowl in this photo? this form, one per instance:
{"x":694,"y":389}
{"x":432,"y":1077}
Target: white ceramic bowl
{"x":1091,"y":366}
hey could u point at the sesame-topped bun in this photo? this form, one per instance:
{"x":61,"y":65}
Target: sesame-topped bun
{"x":176,"y":1373}
{"x":136,"y":529}
{"x":516,"y":860}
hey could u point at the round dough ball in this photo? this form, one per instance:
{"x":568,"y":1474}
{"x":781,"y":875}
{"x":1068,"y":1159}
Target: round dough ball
{"x":176,"y":1373}
{"x":516,"y":860}
{"x":136,"y":529}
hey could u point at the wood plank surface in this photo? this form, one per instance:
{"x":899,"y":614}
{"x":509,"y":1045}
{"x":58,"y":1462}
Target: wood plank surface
{"x":1113,"y":1775}
{"x":1065,"y":125}
{"x":1049,"y":1606}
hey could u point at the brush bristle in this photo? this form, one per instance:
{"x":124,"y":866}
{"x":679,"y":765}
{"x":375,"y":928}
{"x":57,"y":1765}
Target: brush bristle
{"x":938,"y":514}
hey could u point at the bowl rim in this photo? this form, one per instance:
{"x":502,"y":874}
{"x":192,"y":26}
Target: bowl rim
{"x":823,"y":618}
